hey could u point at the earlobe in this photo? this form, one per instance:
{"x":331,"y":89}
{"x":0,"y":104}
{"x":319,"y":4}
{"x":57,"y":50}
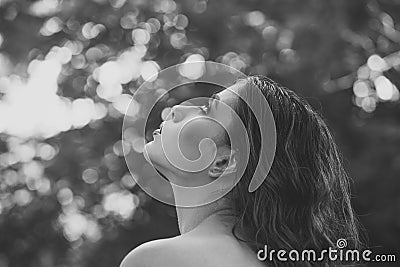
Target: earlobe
{"x":223,"y":164}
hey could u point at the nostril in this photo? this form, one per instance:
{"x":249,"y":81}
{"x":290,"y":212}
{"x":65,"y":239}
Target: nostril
{"x":176,"y":114}
{"x":171,"y":114}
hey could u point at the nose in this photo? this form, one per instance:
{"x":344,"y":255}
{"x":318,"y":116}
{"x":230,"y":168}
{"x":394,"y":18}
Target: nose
{"x":179,"y":112}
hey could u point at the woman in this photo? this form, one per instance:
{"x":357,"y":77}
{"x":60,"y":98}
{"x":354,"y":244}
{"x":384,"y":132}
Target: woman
{"x":304,"y":203}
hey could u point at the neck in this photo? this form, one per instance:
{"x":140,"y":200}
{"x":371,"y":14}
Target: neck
{"x":191,"y":217}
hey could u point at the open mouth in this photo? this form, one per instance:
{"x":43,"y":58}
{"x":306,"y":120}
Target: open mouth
{"x":158,"y":131}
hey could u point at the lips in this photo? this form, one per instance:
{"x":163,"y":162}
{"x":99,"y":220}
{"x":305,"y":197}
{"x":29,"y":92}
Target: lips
{"x":158,"y":131}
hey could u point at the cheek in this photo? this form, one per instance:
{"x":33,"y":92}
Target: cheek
{"x":194,"y":132}
{"x":178,"y":142}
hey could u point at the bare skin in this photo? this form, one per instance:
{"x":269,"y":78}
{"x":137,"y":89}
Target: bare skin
{"x":206,"y":231}
{"x":211,"y":243}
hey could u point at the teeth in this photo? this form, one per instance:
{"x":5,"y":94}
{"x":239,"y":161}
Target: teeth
{"x":157,"y":131}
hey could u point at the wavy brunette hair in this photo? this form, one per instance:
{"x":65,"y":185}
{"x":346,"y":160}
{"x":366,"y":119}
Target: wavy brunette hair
{"x":304,"y":203}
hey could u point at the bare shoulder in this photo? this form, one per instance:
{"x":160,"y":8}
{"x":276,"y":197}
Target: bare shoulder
{"x":146,"y":254}
{"x":190,"y":251}
{"x":163,"y":252}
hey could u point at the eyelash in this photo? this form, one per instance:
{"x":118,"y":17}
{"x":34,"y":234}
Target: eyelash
{"x":205,"y":108}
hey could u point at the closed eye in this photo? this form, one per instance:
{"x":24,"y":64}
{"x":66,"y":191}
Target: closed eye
{"x":205,"y":109}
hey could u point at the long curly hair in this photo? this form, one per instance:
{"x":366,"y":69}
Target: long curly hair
{"x":304,"y":203}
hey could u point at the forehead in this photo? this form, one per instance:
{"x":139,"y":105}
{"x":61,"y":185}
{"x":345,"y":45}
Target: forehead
{"x":223,"y":109}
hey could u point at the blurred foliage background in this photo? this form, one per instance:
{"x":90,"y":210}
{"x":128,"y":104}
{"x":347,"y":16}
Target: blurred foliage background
{"x":68,"y":70}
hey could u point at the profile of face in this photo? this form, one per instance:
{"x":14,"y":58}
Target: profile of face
{"x":306,"y":176}
{"x":186,"y":126}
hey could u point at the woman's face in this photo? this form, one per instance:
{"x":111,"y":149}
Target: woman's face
{"x":192,"y":124}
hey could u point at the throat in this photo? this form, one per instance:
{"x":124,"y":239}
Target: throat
{"x":218,"y":214}
{"x":191,"y":213}
{"x":190,"y":218}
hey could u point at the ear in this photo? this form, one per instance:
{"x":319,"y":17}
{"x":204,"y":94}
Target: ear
{"x":223,"y":164}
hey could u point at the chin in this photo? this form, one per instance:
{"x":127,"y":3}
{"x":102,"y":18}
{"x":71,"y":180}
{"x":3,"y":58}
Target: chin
{"x":154,"y":157}
{"x":153,"y":154}
{"x":146,"y":153}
